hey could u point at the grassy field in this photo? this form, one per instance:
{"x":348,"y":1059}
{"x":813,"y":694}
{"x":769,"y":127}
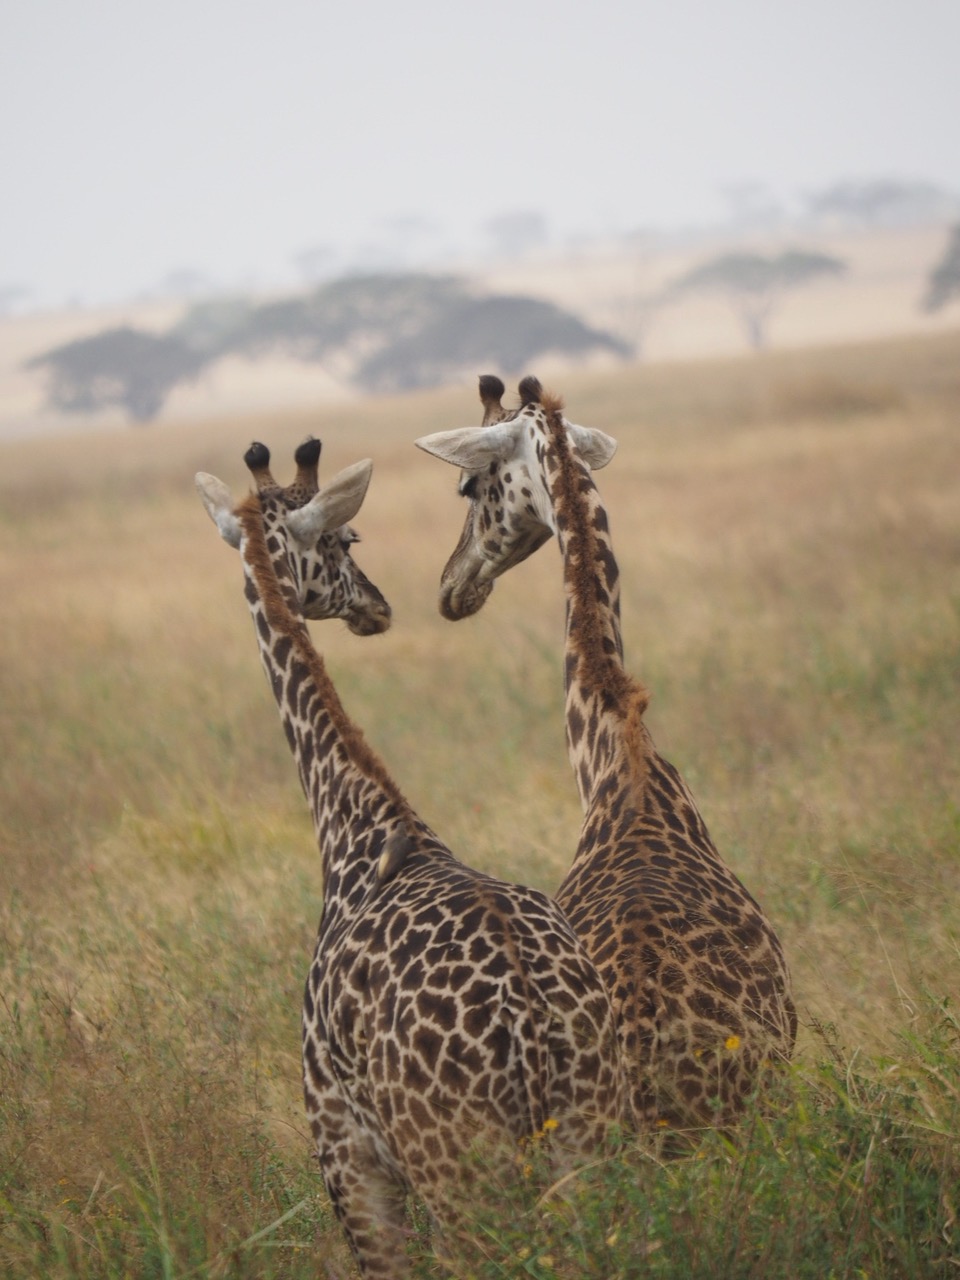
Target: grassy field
{"x":788,"y":531}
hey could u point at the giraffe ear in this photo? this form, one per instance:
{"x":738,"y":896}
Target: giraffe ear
{"x":335,"y":504}
{"x":215,"y":496}
{"x":471,"y":448}
{"x":596,"y":448}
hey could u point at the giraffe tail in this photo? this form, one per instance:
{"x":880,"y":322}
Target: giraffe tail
{"x":529,"y":1034}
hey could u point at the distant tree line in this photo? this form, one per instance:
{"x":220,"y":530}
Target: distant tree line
{"x":394,"y":333}
{"x":397,"y":332}
{"x":881,"y":202}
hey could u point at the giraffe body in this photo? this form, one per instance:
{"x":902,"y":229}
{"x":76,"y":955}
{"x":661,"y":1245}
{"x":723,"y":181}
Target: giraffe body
{"x":696,"y":973}
{"x":443,"y":1009}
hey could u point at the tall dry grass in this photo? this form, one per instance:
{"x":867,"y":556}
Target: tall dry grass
{"x":788,"y":531}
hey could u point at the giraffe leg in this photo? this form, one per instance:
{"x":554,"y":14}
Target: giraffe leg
{"x":368,"y":1197}
{"x":369,"y":1202}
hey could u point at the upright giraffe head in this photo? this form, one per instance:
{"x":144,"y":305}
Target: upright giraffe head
{"x":506,"y":467}
{"x":307,"y":535}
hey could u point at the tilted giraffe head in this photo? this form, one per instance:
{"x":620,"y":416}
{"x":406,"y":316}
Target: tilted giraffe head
{"x":505,"y":469}
{"x":307,"y":534}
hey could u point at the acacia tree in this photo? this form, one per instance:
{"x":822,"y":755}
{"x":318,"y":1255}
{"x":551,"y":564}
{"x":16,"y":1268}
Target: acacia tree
{"x":943,"y":284}
{"x":122,"y":366}
{"x":502,"y":331}
{"x":755,"y":285}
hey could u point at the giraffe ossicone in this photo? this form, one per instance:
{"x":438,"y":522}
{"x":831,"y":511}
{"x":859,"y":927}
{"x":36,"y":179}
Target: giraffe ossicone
{"x":443,"y":1008}
{"x":695,"y":970}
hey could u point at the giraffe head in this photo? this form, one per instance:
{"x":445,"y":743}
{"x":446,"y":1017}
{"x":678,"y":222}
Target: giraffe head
{"x":307,"y":534}
{"x":505,"y":471}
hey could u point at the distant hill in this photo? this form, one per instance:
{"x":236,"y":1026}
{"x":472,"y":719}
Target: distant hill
{"x":385,"y":332}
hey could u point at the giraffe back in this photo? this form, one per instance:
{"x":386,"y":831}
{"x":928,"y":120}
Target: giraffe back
{"x":696,"y":972}
{"x":448,"y":1020}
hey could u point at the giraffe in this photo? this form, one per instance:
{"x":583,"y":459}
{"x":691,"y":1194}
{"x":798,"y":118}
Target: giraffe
{"x":443,"y":1008}
{"x":697,"y":975}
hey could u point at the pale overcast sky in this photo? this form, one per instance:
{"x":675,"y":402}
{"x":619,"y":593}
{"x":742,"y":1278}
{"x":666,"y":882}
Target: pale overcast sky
{"x":143,"y":137}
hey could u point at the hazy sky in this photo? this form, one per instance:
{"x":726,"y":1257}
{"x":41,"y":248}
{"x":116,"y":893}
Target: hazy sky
{"x":143,"y":137}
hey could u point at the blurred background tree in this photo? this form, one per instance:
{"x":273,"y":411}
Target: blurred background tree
{"x":754,"y":285}
{"x":943,"y":284}
{"x":123,"y":367}
{"x":501,"y":332}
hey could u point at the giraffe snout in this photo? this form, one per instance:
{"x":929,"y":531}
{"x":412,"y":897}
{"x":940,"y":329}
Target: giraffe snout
{"x":461,"y":600}
{"x":372,"y":620}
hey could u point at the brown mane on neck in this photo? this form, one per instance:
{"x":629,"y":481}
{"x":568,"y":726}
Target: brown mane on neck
{"x":598,"y":669}
{"x":283,"y":621}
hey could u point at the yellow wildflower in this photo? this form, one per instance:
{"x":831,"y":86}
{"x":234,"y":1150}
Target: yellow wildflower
{"x":550,"y":1124}
{"x":731,"y":1043}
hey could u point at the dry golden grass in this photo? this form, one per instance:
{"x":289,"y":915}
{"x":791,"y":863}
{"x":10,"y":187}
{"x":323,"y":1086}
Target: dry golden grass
{"x":788,"y":531}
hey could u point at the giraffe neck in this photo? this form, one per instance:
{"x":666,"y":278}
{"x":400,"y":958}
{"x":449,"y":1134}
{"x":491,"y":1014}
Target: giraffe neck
{"x":604,"y":705}
{"x":361,"y":819}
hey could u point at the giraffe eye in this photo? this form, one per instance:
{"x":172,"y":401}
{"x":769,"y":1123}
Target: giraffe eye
{"x":468,"y":487}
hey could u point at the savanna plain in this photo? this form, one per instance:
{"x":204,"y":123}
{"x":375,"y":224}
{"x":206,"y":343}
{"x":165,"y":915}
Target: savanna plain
{"x":788,"y":532}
